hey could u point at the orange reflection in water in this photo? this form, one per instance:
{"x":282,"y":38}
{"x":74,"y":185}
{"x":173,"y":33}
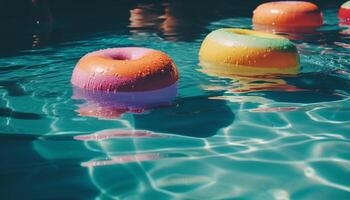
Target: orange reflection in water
{"x":275,"y":109}
{"x":144,"y":16}
{"x":115,"y":133}
{"x":169,"y":19}
{"x":122,"y":160}
{"x":175,"y":20}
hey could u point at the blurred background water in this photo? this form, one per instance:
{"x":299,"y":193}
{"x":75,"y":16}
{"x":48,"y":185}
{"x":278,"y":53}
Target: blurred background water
{"x":216,"y":137}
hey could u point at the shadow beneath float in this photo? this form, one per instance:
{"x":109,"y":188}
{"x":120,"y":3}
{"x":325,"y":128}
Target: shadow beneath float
{"x":198,"y":116}
{"x":314,"y":87}
{"x":157,"y":110}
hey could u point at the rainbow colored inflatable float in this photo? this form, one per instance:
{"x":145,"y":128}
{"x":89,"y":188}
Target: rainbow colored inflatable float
{"x":248,"y":52}
{"x":125,"y":69}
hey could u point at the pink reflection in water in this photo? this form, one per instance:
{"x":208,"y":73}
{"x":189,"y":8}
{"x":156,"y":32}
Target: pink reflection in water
{"x":108,"y":134}
{"x":110,"y":105}
{"x":122,"y":160}
{"x":275,"y":109}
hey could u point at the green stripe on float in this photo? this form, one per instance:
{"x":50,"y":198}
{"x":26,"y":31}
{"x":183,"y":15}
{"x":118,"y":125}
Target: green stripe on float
{"x":249,"y":38}
{"x":346,"y":5}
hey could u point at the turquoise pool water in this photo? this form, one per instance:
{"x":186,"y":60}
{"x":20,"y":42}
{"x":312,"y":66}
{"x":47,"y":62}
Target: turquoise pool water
{"x":277,"y":138}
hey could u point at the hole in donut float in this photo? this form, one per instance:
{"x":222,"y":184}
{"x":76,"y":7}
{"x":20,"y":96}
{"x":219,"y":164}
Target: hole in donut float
{"x":120,"y":57}
{"x":254,"y":33}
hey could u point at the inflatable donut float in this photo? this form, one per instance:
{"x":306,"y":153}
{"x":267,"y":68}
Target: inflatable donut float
{"x":288,"y":15}
{"x":248,"y":52}
{"x":344,"y":12}
{"x":125,"y":69}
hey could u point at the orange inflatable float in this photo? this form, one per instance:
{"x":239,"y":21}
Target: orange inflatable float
{"x":344,"y":13}
{"x":125,"y":69}
{"x":288,"y":14}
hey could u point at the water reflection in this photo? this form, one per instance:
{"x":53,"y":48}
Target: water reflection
{"x":55,"y":22}
{"x":243,"y":84}
{"x":44,"y":22}
{"x":179,"y":20}
{"x":109,"y":105}
{"x":292,"y":33}
{"x":293,"y":88}
{"x":12,"y":87}
{"x":145,"y":16}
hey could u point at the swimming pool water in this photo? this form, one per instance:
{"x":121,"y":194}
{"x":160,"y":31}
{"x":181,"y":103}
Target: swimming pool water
{"x":232,"y":137}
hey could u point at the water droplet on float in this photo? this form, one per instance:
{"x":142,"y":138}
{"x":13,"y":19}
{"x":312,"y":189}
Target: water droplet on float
{"x":99,"y":70}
